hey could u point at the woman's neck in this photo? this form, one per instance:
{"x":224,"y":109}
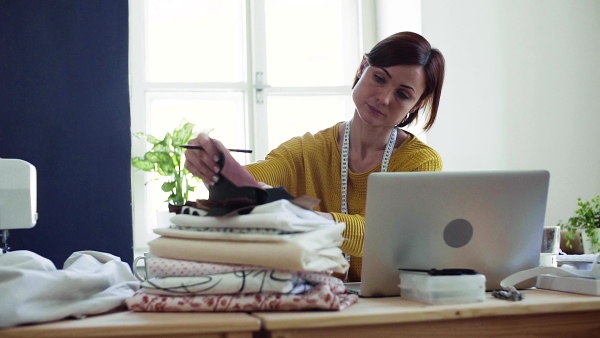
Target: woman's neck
{"x":365,"y":139}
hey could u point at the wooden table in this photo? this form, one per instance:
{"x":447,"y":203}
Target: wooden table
{"x":541,"y":314}
{"x":144,"y":324}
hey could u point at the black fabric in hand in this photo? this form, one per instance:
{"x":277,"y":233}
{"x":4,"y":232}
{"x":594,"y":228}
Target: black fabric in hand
{"x":237,"y":192}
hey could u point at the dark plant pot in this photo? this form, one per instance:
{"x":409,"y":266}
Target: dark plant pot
{"x":177,"y":208}
{"x":577,"y":244}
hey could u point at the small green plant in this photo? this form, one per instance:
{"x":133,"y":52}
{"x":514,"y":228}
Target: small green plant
{"x":167,"y":159}
{"x":586,"y":219}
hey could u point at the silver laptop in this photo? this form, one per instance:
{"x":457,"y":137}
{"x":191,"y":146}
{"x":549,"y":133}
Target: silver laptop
{"x":488,"y":221}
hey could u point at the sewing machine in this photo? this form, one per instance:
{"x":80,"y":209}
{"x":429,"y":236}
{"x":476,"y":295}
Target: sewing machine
{"x":18,"y":197}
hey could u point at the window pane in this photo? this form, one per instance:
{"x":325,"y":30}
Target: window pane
{"x":195,"y":41}
{"x":305,"y":43}
{"x":290,"y":116}
{"x":221,"y":112}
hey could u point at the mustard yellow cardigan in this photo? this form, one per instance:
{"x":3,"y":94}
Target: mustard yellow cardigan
{"x":310,"y":165}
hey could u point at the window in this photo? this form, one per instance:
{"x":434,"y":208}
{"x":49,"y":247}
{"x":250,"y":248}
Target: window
{"x":256,"y":72}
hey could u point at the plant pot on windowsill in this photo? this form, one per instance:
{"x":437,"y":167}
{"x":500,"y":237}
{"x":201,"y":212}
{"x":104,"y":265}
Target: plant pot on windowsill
{"x":585,"y":222}
{"x":166,"y":158}
{"x":575,"y":246}
{"x":177,"y":208}
{"x":591,"y":241}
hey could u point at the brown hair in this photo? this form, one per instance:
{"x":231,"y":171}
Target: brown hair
{"x":408,"y":48}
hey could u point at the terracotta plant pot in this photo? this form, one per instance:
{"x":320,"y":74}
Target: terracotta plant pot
{"x":577,"y":244}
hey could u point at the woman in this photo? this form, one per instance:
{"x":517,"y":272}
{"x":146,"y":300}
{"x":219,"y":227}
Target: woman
{"x":398,"y":81}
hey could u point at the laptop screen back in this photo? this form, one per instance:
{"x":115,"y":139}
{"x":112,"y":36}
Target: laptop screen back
{"x":489,"y":221}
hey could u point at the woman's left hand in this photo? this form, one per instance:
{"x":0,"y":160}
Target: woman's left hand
{"x":325,"y":215}
{"x":203,"y":162}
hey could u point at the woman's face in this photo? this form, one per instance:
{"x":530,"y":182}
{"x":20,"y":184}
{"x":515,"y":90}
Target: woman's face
{"x":384,"y":96}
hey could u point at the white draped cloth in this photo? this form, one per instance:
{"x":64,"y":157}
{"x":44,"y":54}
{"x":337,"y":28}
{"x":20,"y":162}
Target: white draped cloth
{"x":32,"y":290}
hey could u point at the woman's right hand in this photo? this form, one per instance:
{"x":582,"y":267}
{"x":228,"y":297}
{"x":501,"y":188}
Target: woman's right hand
{"x":203,"y":163}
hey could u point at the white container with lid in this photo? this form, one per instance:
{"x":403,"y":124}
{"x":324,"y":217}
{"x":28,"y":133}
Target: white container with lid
{"x":442,"y":289}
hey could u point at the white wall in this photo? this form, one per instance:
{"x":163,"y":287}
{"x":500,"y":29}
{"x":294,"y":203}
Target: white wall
{"x":522,"y":90}
{"x":395,"y":16}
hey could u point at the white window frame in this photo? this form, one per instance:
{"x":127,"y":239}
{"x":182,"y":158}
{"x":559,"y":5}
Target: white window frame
{"x":361,"y":11}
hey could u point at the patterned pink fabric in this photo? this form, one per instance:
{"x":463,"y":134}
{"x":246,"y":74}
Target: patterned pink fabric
{"x":165,"y":267}
{"x":319,"y":298}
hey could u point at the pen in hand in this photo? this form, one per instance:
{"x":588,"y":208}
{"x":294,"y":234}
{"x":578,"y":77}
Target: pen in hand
{"x":191,"y":146}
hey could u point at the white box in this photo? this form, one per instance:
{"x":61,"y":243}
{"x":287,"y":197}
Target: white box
{"x":425,"y":288}
{"x":584,"y":286}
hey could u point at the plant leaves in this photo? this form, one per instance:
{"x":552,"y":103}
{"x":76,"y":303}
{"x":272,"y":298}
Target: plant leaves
{"x":168,"y":186}
{"x":166,"y":158}
{"x":166,"y":169}
{"x":163,"y":162}
{"x":182,"y":135}
{"x":586,"y":217}
{"x":158,"y":157}
{"x":152,"y":139}
{"x":142,"y":164}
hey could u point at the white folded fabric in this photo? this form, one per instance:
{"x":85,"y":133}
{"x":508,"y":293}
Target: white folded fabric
{"x":33,"y":290}
{"x":281,"y":214}
{"x":316,"y":250}
{"x":240,"y":282}
{"x":219,"y":235}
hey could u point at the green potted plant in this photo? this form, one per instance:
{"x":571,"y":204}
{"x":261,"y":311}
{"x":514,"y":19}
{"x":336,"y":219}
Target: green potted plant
{"x":586,"y":221}
{"x":166,"y":158}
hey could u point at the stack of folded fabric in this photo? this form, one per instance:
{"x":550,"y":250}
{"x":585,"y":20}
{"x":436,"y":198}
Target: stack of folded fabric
{"x":280,"y":256}
{"x":246,"y":248}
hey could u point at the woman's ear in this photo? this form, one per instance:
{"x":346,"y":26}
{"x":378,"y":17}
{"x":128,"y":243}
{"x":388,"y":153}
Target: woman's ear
{"x":415,"y":109}
{"x":359,"y":72}
{"x":361,"y":68}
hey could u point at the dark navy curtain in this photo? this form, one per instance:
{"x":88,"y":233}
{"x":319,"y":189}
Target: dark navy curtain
{"x":64,"y":107}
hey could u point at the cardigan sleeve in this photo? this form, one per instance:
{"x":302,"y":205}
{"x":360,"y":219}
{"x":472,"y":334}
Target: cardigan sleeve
{"x":354,"y":234}
{"x":281,"y":166}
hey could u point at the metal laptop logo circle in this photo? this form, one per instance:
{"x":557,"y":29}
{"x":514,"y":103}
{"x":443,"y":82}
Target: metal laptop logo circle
{"x":458,"y":233}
